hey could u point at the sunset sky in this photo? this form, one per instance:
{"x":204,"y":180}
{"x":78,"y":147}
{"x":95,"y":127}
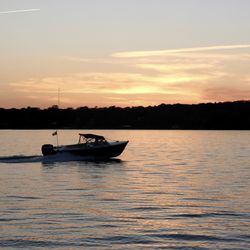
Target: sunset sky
{"x":123,"y":52}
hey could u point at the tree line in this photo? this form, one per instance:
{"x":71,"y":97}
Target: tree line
{"x":224,"y":115}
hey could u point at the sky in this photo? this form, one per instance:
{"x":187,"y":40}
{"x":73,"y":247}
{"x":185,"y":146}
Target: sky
{"x":123,"y":52}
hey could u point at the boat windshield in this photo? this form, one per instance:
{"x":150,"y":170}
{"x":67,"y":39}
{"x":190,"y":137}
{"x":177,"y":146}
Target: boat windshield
{"x":91,"y":138}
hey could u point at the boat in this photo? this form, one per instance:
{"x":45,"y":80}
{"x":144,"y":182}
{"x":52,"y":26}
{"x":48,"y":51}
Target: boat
{"x":89,"y":145}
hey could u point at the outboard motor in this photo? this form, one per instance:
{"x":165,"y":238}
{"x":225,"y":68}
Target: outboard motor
{"x":48,"y":149}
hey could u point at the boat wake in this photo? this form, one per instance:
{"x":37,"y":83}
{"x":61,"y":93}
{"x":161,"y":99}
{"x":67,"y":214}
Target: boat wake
{"x":21,"y":158}
{"x":62,"y":157}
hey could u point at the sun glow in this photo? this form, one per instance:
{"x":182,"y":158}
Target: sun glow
{"x":179,"y":76}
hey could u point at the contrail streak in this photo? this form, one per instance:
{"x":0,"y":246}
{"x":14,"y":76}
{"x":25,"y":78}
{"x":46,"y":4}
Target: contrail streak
{"x":129,"y":54}
{"x":18,"y":11}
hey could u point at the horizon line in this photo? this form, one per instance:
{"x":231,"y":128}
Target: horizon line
{"x":156,"y":105}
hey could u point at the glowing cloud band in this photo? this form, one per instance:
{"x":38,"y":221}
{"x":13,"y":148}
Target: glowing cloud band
{"x":130,"y":54}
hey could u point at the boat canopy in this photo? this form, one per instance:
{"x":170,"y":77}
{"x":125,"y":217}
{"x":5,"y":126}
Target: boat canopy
{"x":92,"y":136}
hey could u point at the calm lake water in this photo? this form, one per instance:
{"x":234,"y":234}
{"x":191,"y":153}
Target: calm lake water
{"x":168,"y":190}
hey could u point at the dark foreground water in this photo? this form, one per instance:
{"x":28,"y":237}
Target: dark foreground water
{"x":168,"y":190}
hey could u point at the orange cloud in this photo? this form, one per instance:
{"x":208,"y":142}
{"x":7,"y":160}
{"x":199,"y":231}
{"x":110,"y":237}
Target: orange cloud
{"x":226,"y":94}
{"x":189,"y":75}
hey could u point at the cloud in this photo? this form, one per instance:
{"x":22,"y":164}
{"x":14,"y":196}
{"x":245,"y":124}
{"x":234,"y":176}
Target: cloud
{"x":164,"y":67}
{"x":226,"y":93}
{"x":115,"y":88}
{"x":18,"y":11}
{"x":175,"y":51}
{"x":90,"y":60}
{"x":201,"y":75}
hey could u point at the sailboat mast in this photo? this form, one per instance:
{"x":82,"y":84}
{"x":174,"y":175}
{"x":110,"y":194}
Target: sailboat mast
{"x":58,"y":106}
{"x":58,"y":98}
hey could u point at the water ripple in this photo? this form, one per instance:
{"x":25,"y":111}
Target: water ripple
{"x":180,"y":190}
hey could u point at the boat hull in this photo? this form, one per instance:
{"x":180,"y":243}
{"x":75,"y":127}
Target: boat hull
{"x":104,"y":151}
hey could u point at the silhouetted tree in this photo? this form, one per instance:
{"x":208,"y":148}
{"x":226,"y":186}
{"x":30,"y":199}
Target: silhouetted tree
{"x":227,"y":115}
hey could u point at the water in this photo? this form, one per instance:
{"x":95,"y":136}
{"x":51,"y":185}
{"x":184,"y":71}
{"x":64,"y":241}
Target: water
{"x":168,"y":190}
